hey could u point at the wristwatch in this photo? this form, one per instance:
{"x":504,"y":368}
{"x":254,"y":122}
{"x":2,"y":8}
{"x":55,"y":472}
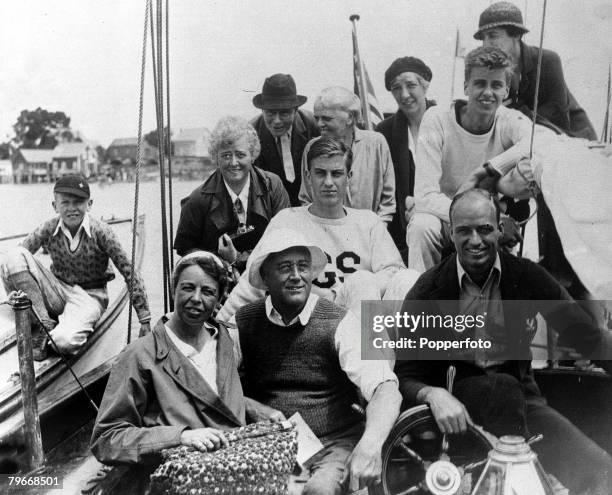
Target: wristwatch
{"x":491,"y":172}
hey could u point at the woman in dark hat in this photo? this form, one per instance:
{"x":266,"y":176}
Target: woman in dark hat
{"x":501,"y":25}
{"x":407,"y":79}
{"x":229,"y":212}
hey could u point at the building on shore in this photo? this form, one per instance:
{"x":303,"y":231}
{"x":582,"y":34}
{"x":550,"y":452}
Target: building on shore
{"x":190,"y":159}
{"x":75,"y":157}
{"x":32,"y":165}
{"x":6,"y":172}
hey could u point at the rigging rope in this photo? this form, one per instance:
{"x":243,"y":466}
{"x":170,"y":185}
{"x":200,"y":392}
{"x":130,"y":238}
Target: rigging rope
{"x":538,"y":76}
{"x":171,"y":223}
{"x":138,"y":165}
{"x":531,"y":184}
{"x":533,"y":187}
{"x":158,"y":90}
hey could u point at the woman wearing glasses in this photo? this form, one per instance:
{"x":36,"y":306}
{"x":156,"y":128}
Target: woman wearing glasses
{"x":229,"y":212}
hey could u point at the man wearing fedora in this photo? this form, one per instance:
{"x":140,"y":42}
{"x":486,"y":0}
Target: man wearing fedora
{"x":302,"y":353}
{"x":283,"y":131}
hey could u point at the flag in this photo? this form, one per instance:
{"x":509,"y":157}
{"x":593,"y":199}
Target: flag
{"x":460,"y":48}
{"x":460,"y":51}
{"x":372,"y":114}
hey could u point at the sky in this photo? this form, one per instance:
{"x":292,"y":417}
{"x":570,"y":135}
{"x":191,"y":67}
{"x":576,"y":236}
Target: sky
{"x":83,"y":57}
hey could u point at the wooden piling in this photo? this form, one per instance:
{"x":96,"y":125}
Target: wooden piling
{"x":21,"y":307}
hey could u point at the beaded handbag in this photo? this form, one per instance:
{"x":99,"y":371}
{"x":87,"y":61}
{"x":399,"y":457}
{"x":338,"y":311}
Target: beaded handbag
{"x":259,"y":460}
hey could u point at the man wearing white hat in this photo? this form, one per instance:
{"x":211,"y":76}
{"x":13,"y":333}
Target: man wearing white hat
{"x":302,"y":353}
{"x":362,"y":260}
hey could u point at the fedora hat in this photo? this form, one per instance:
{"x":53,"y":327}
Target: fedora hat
{"x":279,"y":240}
{"x":500,"y":14}
{"x":278,"y":92}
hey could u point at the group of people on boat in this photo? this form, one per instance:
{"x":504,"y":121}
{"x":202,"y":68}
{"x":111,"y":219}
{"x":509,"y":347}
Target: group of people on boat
{"x":314,"y":215}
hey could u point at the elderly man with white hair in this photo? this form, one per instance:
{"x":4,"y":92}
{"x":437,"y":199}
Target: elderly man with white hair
{"x":371,"y":183}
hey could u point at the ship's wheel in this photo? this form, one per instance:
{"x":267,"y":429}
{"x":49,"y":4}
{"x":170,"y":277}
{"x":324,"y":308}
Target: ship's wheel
{"x":416,"y":463}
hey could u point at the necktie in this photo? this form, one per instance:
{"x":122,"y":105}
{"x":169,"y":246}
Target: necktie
{"x":239,"y":209}
{"x":284,"y":146}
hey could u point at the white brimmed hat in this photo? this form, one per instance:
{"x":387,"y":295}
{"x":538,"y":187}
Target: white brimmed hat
{"x":279,"y":240}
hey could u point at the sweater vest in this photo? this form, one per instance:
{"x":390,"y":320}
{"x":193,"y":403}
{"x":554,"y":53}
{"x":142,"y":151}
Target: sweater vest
{"x":296,"y":368}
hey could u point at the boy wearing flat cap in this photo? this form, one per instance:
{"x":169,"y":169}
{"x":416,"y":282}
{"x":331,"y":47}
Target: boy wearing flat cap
{"x":283,"y":131}
{"x":407,"y":78}
{"x":71,"y":296}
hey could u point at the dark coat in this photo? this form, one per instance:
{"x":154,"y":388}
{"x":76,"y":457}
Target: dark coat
{"x":208,"y":213}
{"x":154,"y":393}
{"x":303,"y":130}
{"x":521,"y":280}
{"x":395,"y":130}
{"x":556,"y":104}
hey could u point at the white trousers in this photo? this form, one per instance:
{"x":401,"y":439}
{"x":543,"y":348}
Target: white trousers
{"x":426,"y":236}
{"x":77,"y":309}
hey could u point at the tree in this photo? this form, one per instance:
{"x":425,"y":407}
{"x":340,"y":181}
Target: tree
{"x":41,"y":128}
{"x":151,"y":138}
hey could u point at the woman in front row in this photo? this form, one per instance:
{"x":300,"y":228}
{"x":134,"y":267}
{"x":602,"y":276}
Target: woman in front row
{"x":179,"y":384}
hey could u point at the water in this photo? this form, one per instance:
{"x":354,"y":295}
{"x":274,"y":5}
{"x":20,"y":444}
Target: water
{"x":23,"y":207}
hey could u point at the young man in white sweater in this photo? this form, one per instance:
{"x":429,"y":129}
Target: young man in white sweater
{"x":362,"y":260}
{"x":455,"y":142}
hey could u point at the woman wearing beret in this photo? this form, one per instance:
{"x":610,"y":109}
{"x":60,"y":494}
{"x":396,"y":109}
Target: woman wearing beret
{"x":408,"y":79}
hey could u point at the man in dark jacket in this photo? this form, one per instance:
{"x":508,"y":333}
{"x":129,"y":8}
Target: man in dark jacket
{"x":283,"y":131}
{"x":497,"y":390}
{"x":408,"y":79}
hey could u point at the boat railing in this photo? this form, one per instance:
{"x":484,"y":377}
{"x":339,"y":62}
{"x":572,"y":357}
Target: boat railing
{"x":111,"y":221}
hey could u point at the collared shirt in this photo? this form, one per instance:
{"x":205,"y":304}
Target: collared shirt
{"x":74,"y":241}
{"x":486,"y":300}
{"x":367,"y":375}
{"x":284,"y":144}
{"x":243,"y":196}
{"x":412,"y":140}
{"x":205,"y":361}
